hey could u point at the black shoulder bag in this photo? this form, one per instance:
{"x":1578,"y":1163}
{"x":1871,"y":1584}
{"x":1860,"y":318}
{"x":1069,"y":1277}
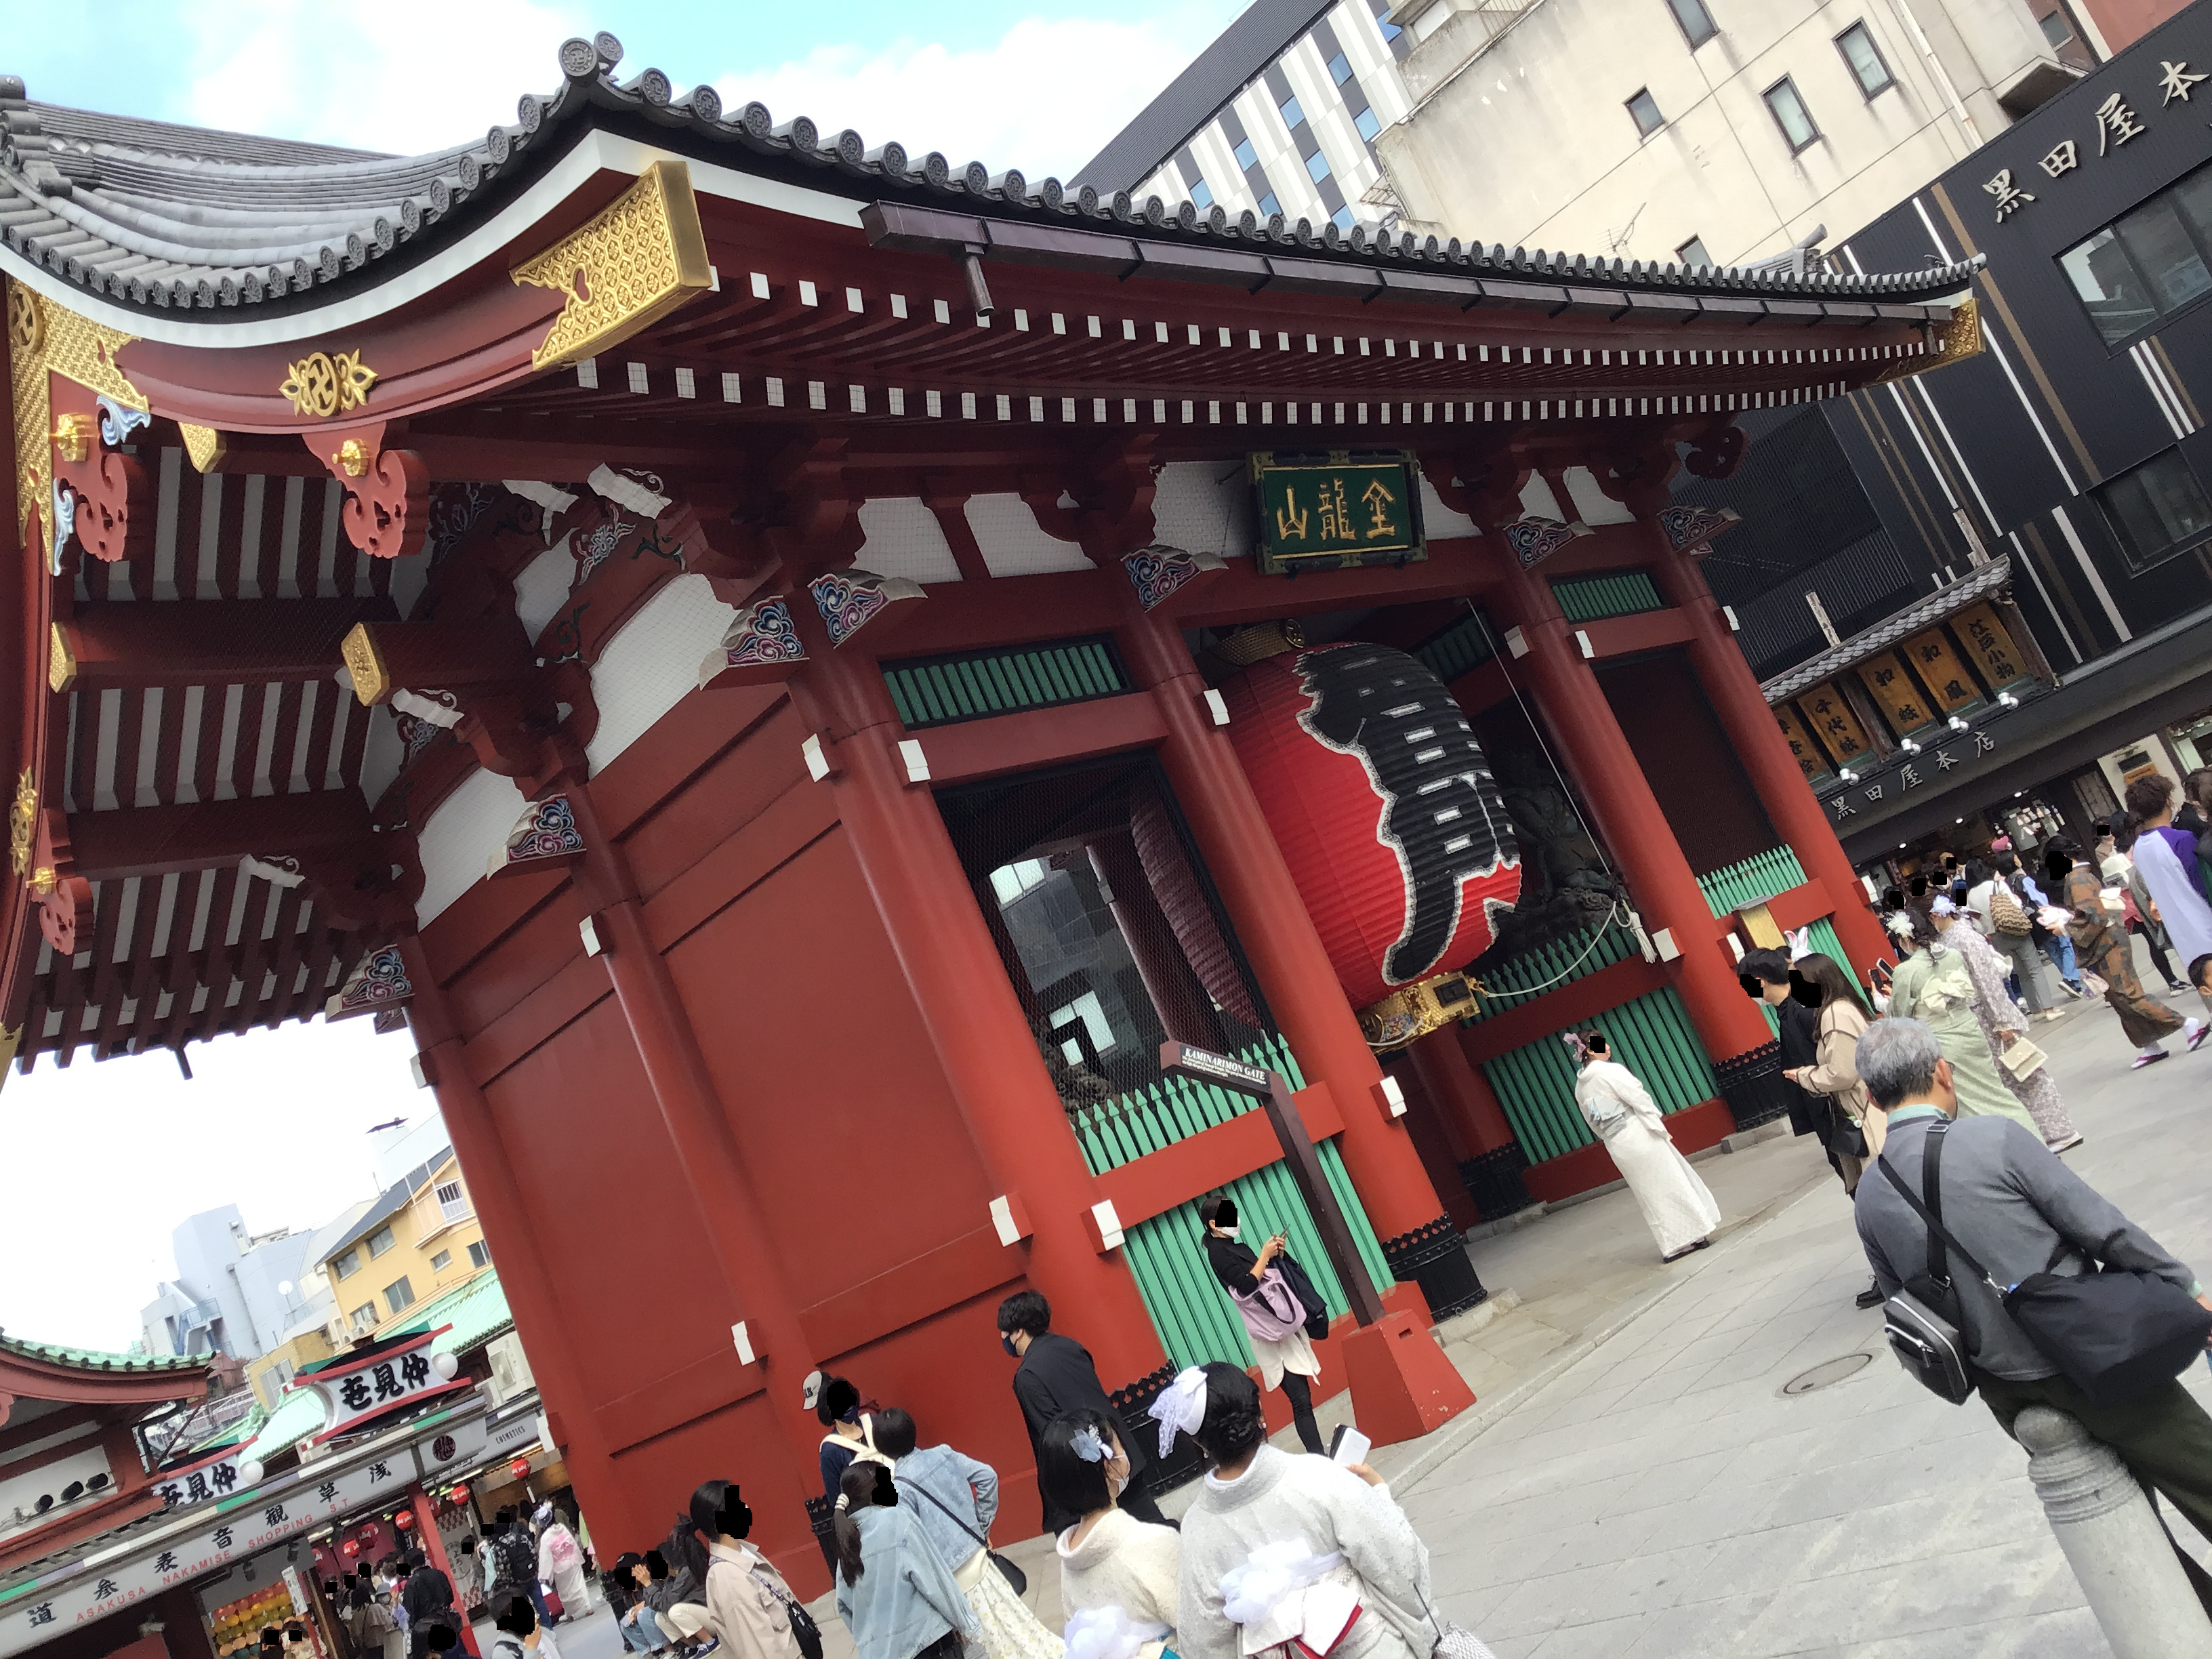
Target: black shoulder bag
{"x":1302,"y":1286}
{"x":2115,"y":1332}
{"x":1016,"y":1578}
{"x":1922,"y":1321}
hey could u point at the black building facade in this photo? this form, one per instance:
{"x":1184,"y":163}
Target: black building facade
{"x":1990,"y":588}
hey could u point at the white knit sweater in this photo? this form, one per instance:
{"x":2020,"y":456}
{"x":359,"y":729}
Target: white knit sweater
{"x":1283,"y":1496}
{"x":1123,"y":1563}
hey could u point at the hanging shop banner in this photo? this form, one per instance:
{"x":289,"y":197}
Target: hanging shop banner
{"x":1336,"y":510}
{"x":1940,"y":671}
{"x":207,"y":1482}
{"x":471,"y":1445}
{"x":1990,"y":645}
{"x":409,"y":1374}
{"x":1895,"y":694}
{"x":233,"y":1530}
{"x":1830,"y":719}
{"x":1810,"y":760}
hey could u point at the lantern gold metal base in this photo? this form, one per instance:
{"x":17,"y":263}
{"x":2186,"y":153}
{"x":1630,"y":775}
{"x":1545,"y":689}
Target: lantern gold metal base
{"x":1427,"y":1006}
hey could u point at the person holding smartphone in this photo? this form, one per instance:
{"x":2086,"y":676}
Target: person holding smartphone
{"x":1275,"y":1319}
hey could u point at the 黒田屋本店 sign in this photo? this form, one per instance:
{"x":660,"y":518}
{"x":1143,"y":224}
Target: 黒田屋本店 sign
{"x":1336,"y":510}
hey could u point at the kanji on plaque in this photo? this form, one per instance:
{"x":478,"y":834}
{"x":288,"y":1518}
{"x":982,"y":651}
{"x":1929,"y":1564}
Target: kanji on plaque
{"x":1990,"y":645}
{"x":1900,"y":699}
{"x":1336,"y":510}
{"x":1940,"y":671}
{"x":1830,"y":718}
{"x":1812,"y":760}
{"x":391,"y":1379}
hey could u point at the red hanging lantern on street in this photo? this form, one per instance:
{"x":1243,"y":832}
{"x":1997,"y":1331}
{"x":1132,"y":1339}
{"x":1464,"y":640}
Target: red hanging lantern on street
{"x":404,"y":1520}
{"x":518,"y":1468}
{"x":459,"y":1494}
{"x":1384,"y":808}
{"x":350,"y":1548}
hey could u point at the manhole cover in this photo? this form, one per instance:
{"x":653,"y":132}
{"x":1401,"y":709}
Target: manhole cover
{"x":1827,"y":1372}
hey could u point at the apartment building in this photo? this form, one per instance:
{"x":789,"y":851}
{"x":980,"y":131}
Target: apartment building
{"x":420,"y":1239}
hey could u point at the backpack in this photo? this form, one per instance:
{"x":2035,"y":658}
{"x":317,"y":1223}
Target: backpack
{"x":2007,"y":914}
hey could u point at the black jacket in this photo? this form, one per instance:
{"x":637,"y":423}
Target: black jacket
{"x":1056,"y":1375}
{"x":1798,"y":1034}
{"x":1232,"y":1262}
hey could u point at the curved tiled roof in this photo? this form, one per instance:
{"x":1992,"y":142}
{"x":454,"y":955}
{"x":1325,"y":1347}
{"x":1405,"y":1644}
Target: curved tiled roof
{"x":1925,"y":612}
{"x":153,"y":216}
{"x":95,"y":1359}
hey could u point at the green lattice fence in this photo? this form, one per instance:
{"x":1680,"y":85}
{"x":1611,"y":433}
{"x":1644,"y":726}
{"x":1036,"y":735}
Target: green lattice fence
{"x":1190,"y":1310}
{"x":1466,"y":644}
{"x":1759,"y":877}
{"x":1592,"y":599}
{"x":940,"y":691}
{"x":1533,"y":973}
{"x":1651,"y":1035}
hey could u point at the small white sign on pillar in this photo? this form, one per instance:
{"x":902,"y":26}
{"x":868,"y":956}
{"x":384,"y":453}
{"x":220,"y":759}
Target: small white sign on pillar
{"x":1663,"y":942}
{"x":742,"y":1339}
{"x":1109,"y":1223}
{"x":1217,"y":706}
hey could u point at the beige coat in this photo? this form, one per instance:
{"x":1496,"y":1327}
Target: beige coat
{"x":1835,"y":1071}
{"x":751,"y":1621}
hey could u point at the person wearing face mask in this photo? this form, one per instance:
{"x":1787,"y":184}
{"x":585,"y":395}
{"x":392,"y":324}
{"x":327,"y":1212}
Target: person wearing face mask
{"x":1118,"y":1575}
{"x":749,"y":1606}
{"x":852,"y":1434}
{"x":1055,"y":1375}
{"x":1274,"y":1318}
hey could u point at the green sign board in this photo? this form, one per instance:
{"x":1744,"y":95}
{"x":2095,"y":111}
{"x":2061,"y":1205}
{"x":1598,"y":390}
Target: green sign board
{"x":1337,"y":510}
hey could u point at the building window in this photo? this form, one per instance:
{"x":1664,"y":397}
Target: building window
{"x":440,"y":1262}
{"x":363,"y":1316}
{"x":1011,"y":881}
{"x":2150,"y":262}
{"x":2156,"y":510}
{"x":1643,"y":110}
{"x":1269,"y":205}
{"x":1865,"y":58}
{"x":380,"y":1242}
{"x":1693,"y":254}
{"x":1369,"y":124}
{"x":1292,"y":115}
{"x":1341,"y":218}
{"x":1246,"y":155}
{"x":345,"y":1264}
{"x":480,"y":1255}
{"x":1201,"y":197}
{"x":2056,"y":28}
{"x":452,"y":1202}
{"x":1317,"y":166}
{"x":1696,"y":22}
{"x":398,"y":1294}
{"x":1791,"y":114}
{"x":1339,"y":69}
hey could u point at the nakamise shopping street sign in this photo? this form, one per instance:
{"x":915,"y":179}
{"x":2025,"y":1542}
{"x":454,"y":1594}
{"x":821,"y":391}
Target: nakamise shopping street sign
{"x":208,"y":1481}
{"x":1336,"y":509}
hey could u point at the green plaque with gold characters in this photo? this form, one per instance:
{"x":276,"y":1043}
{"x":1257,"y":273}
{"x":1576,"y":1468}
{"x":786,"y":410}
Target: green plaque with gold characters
{"x":1336,"y":509}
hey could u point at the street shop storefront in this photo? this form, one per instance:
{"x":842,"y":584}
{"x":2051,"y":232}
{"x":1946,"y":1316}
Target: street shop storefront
{"x":210,"y":1571}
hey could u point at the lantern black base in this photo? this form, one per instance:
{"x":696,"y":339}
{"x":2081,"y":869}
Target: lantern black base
{"x":819,"y":1512}
{"x":1130,"y":1404}
{"x":1434,"y":1256}
{"x":1753,"y":1085}
{"x":1493,"y":1181}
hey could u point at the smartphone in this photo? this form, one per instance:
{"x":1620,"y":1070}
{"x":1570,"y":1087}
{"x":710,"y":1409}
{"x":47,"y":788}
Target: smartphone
{"x":1348,"y":1446}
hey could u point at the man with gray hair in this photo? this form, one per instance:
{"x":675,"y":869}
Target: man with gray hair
{"x":2006,"y":1197}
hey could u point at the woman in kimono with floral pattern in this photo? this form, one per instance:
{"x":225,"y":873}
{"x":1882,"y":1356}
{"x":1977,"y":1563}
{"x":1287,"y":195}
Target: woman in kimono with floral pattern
{"x":2105,"y":951}
{"x":2005,"y":1024}
{"x":1933,"y":986}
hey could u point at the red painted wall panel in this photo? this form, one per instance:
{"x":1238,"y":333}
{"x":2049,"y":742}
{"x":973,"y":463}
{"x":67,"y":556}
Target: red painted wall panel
{"x":734,"y":787}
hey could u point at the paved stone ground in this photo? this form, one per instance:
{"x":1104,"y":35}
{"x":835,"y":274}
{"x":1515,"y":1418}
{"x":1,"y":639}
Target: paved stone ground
{"x":1633,"y":1482}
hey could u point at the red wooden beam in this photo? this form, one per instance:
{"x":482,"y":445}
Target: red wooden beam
{"x":154,"y":840}
{"x":1041,"y":737}
{"x":214,"y":642}
{"x":1155,"y":1184}
{"x":1622,"y":636}
{"x":1554,"y":1011}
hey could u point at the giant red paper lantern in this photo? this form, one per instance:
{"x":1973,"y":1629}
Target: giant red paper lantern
{"x":1384,"y":808}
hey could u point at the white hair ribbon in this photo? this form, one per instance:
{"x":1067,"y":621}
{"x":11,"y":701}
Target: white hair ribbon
{"x":1086,"y":1444}
{"x":1181,"y":1405}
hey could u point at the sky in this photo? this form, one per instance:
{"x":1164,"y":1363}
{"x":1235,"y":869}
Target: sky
{"x":1040,"y":86}
{"x":107,"y":1160}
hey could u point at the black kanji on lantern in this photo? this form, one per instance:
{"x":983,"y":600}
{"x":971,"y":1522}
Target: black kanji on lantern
{"x":1442,"y":812}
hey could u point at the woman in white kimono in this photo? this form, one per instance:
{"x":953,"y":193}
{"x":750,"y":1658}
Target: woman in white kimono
{"x":1677,"y":1205}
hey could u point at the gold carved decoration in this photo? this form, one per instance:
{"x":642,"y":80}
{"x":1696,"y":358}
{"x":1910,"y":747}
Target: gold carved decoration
{"x":203,"y":444}
{"x":23,"y":822}
{"x":326,"y":384}
{"x":1955,"y":341}
{"x":637,"y":259}
{"x":1414,"y":1011}
{"x":351,"y":458}
{"x":372,"y":680}
{"x":44,"y":881}
{"x":74,"y":436}
{"x":45,"y":338}
{"x":61,"y":661}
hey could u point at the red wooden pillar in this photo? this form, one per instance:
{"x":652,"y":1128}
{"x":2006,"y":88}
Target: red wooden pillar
{"x":1790,"y":804}
{"x":1178,"y":997}
{"x":977,"y":1026}
{"x":1461,"y":1091}
{"x":1628,"y":817}
{"x":753,"y":1287}
{"x":433,"y":1550}
{"x":539,"y":1318}
{"x":1277,"y":933}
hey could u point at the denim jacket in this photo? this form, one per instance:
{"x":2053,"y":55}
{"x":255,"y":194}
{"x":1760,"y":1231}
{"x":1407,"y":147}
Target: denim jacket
{"x":968,"y":1488}
{"x":905,"y":1598}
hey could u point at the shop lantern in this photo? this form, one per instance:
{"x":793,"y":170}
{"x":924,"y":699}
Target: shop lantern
{"x":1382,"y":805}
{"x":459,"y":1494}
{"x":518,"y":1468}
{"x":350,"y":1548}
{"x":404,"y":1520}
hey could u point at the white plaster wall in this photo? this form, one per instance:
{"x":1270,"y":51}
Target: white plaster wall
{"x":904,"y":540}
{"x":1592,"y":505}
{"x":1013,"y":546}
{"x":543,"y":586}
{"x":1439,"y":520}
{"x":1198,"y":509}
{"x":458,"y":842}
{"x":652,"y":663}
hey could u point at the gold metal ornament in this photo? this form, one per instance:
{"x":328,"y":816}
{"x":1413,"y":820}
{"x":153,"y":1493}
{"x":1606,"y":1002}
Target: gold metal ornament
{"x":61,"y":661}
{"x":372,"y":680}
{"x":23,"y":822}
{"x":1417,"y":1010}
{"x":203,"y":444}
{"x":44,"y":881}
{"x":1955,"y":341}
{"x":638,"y":258}
{"x":351,"y":458}
{"x":45,"y":338}
{"x":74,"y":436}
{"x":322,"y":383}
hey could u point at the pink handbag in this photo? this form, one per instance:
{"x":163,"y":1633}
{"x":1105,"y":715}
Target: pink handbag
{"x":1271,"y":1311}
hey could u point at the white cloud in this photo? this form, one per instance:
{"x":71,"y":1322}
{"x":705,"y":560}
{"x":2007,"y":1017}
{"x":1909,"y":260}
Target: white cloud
{"x":364,"y":76}
{"x":1045,"y":98}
